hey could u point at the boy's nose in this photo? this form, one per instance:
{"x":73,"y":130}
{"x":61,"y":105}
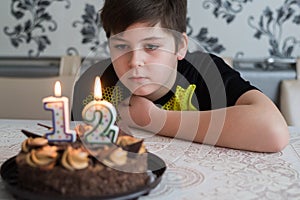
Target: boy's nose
{"x":136,"y":58}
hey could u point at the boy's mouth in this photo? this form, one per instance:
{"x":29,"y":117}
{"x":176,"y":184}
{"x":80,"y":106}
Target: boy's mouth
{"x":138,"y":79}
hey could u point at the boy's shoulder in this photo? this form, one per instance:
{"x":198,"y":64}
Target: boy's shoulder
{"x":96,"y":69}
{"x":104,"y":69}
{"x":200,"y":57}
{"x":202,"y":62}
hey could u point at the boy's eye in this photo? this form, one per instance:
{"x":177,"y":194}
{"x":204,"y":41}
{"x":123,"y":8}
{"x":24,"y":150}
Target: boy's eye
{"x":121,"y":46}
{"x":151,"y":47}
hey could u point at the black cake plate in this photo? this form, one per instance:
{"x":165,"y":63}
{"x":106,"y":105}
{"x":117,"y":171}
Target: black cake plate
{"x":9,"y":174}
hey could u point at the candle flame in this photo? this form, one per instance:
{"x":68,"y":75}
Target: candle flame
{"x":97,"y":89}
{"x":57,"y":89}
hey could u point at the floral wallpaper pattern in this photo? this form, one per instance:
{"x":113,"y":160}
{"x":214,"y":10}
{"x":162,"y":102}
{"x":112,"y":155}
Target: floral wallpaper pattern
{"x":35,"y":24}
{"x":90,"y":31}
{"x":35,"y":28}
{"x":225,"y":9}
{"x":271,"y":24}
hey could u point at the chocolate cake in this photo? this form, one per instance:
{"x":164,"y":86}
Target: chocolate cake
{"x":73,"y":169}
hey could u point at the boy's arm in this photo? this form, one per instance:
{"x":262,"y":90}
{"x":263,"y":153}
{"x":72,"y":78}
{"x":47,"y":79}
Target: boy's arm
{"x":254,"y":123}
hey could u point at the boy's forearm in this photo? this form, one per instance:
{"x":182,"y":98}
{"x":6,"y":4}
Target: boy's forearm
{"x":239,"y":127}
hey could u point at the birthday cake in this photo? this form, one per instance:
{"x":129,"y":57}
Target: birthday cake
{"x":73,"y":169}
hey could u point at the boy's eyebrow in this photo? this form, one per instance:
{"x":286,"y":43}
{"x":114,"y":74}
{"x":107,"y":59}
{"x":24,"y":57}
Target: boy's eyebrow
{"x":153,"y":38}
{"x":117,"y":39}
{"x":144,"y":39}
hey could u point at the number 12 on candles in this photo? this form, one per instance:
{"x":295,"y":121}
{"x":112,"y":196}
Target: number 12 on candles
{"x":60,"y":117}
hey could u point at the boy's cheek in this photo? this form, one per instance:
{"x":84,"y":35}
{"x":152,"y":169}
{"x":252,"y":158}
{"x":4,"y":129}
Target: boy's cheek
{"x":119,"y":57}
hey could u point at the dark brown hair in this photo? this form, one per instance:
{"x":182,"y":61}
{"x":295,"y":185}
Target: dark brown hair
{"x":117,"y":15}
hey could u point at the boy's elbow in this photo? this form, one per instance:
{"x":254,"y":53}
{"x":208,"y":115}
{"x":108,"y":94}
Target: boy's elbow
{"x":277,"y":137}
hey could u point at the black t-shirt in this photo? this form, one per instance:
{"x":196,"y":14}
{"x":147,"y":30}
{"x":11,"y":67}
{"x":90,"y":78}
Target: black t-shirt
{"x":217,"y":84}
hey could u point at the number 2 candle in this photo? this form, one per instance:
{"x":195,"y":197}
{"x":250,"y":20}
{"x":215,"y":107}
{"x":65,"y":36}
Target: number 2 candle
{"x":60,"y":117}
{"x":101,"y":115}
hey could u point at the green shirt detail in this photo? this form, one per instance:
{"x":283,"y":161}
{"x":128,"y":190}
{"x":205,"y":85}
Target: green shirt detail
{"x":182,"y":100}
{"x":112,"y":94}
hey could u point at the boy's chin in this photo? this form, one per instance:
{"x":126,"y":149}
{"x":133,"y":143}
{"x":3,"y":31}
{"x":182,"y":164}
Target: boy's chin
{"x":142,"y":92}
{"x":151,"y":91}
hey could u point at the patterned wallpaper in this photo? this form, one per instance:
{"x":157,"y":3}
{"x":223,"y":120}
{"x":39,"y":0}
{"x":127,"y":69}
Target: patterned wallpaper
{"x":248,"y":28}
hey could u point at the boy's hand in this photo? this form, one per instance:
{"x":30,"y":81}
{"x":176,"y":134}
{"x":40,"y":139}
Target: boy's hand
{"x":139,"y":112}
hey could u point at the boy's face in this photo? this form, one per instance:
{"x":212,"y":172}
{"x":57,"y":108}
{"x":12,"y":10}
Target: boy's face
{"x":145,"y":59}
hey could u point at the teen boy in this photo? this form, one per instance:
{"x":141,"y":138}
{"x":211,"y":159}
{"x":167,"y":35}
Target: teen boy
{"x":158,"y":86}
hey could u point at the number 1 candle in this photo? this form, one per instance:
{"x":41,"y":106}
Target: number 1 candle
{"x":60,"y":117}
{"x":101,"y":115}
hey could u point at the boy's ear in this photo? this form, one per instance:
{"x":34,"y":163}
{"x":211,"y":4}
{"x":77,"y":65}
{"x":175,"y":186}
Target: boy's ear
{"x":182,"y":47}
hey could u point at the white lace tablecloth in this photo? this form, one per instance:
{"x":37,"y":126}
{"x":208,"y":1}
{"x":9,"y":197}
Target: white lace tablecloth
{"x":196,"y":171}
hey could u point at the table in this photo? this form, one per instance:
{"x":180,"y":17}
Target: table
{"x":197,"y":171}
